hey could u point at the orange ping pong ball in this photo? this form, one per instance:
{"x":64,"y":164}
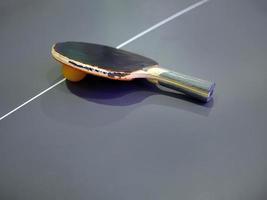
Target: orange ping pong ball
{"x":72,"y":74}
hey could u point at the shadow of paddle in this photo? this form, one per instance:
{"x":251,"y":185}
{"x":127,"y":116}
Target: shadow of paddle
{"x":125,"y":93}
{"x":114,"y":100}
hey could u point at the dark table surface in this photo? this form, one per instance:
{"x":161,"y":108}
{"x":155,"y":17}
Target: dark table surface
{"x":100,"y":139}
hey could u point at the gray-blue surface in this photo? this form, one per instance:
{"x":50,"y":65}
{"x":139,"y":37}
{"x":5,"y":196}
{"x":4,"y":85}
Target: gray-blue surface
{"x":100,"y":139}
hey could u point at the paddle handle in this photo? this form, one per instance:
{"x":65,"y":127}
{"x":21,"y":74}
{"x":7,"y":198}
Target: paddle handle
{"x":189,"y":85}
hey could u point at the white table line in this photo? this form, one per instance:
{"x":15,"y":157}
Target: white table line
{"x":31,"y":99}
{"x":170,"y":18}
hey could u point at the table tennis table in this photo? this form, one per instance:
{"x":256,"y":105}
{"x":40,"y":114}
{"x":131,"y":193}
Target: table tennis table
{"x":103,"y":139}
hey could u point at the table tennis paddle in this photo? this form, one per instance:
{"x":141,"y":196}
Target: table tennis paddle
{"x":79,"y":59}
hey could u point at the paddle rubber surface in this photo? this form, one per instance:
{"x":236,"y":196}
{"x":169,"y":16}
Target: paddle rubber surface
{"x":104,"y":57}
